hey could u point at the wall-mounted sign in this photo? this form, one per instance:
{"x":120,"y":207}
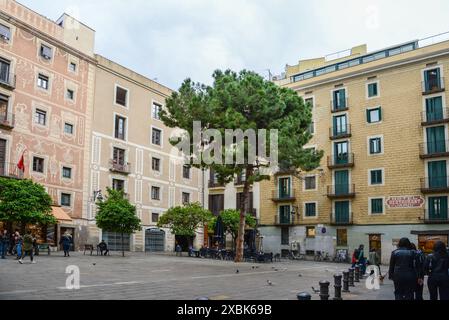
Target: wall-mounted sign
{"x":405,"y":202}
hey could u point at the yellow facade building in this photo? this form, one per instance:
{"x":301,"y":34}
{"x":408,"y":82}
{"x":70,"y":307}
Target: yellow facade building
{"x":381,"y":119}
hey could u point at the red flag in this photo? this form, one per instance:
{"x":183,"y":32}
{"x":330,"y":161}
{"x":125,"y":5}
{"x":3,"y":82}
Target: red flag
{"x":21,"y":163}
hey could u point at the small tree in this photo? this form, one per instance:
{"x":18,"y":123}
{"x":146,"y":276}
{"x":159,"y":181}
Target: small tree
{"x":25,"y":202}
{"x":231,"y":222}
{"x":117,"y":214}
{"x":185,"y":220}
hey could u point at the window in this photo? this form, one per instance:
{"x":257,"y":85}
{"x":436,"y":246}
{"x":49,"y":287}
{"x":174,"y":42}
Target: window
{"x":311,"y":128}
{"x":155,"y":164}
{"x":38,"y":164}
{"x":121,"y":96}
{"x":4,"y":102}
{"x":46,"y":52}
{"x":72,"y":66}
{"x":339,"y":102}
{"x":372,"y":90}
{"x":68,"y":128}
{"x":309,"y":102}
{"x":42,"y":81}
{"x":70,"y":94}
{"x":374,"y":115}
{"x":432,"y":80}
{"x":5,"y":32}
{"x":310,"y":232}
{"x":216,"y":203}
{"x":118,"y":184}
{"x":154,"y":217}
{"x":157,"y":108}
{"x":342,"y":237}
{"x":186,"y":172}
{"x":377,"y":206}
{"x":340,"y":125}
{"x":5,"y":66}
{"x":310,"y":183}
{"x":156,"y":136}
{"x":376,"y":177}
{"x":67,"y":173}
{"x":120,"y":127}
{"x":375,"y":145}
{"x":155,"y":193}
{"x":118,"y":156}
{"x":185,"y":198}
{"x":66,"y":199}
{"x":285,"y":236}
{"x":40,"y":117}
{"x":239,"y":202}
{"x":284,"y":188}
{"x":310,"y":209}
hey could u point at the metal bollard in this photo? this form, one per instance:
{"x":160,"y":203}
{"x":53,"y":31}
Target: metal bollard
{"x":357,"y":273}
{"x":351,"y":277}
{"x":303,"y":296}
{"x":324,"y":290}
{"x":346,"y":281}
{"x":337,"y":286}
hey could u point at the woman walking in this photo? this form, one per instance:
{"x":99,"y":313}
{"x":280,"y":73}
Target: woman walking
{"x":403,"y":270}
{"x":436,"y":266}
{"x":66,"y":242}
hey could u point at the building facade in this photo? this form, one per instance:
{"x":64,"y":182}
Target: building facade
{"x":46,"y":98}
{"x":131,"y":152}
{"x":381,"y":119}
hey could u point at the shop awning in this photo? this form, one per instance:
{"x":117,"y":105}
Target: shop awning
{"x":60,"y":214}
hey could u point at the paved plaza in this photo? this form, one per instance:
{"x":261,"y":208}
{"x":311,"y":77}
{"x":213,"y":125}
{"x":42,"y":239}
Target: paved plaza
{"x":143,"y":276}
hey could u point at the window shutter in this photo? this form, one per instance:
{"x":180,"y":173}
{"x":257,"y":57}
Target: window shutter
{"x":380,"y":114}
{"x":368,"y":115}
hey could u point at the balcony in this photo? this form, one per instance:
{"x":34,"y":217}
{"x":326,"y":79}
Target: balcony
{"x":436,"y":117}
{"x":7,"y":120}
{"x":344,"y":219}
{"x":8,"y":81}
{"x":215,"y":184}
{"x":339,"y":105}
{"x":434,"y":149}
{"x":436,"y":218}
{"x":340,"y":133}
{"x":283,"y":197}
{"x":10,"y":170}
{"x":340,"y":161}
{"x":433,"y":85}
{"x":434,"y":184}
{"x":239,"y":181}
{"x":116,"y":166}
{"x":341,"y":191}
{"x":285,"y":220}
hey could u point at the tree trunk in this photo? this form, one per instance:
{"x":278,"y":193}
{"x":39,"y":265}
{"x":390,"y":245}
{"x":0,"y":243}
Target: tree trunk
{"x":123,"y":246}
{"x":243,"y":211}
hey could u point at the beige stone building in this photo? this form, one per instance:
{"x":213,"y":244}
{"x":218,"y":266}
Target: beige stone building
{"x":131,"y":151}
{"x":381,"y":119}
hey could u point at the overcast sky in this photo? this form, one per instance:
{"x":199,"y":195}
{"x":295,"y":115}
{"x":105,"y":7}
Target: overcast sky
{"x":176,"y":39}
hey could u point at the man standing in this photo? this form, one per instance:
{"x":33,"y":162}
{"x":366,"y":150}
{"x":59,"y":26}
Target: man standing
{"x":27,"y":247}
{"x":4,"y":243}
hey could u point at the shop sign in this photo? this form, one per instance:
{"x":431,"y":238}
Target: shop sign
{"x":398,"y":202}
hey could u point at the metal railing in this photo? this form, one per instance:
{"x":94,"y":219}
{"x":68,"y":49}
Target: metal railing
{"x":339,"y":104}
{"x":441,"y":217}
{"x":7,"y":120}
{"x":215,"y":184}
{"x":433,"y":85}
{"x":341,"y":190}
{"x":10,"y":170}
{"x":117,"y":166}
{"x":283,"y":196}
{"x":434,"y":184}
{"x":337,"y":161}
{"x":340,"y":132}
{"x":285,"y":220}
{"x":435,"y":148}
{"x":341,"y":219}
{"x":435,"y":117}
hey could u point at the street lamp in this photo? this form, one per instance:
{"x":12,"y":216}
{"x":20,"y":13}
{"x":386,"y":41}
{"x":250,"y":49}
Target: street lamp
{"x":97,"y":196}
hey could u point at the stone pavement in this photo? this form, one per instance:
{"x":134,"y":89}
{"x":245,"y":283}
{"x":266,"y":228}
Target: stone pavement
{"x":165,"y":277}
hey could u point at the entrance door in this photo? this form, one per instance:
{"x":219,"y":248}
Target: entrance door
{"x":2,"y":157}
{"x":154,"y":240}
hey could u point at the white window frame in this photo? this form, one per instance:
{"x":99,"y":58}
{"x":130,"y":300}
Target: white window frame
{"x":378,"y":122}
{"x":367,"y":89}
{"x":115,"y":114}
{"x":382,"y":145}
{"x":35,"y":155}
{"x":304,"y":210}
{"x":383,"y":177}
{"x":161,"y":188}
{"x":53,"y":52}
{"x":60,"y":192}
{"x":304,"y":183}
{"x":153,"y":102}
{"x":48,"y":89}
{"x":162,"y":137}
{"x":71,"y":172}
{"x":383,"y":206}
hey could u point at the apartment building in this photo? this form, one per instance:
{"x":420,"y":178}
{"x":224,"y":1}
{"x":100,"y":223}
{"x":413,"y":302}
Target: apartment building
{"x":131,"y":152}
{"x":381,"y":119}
{"x":46,"y":98}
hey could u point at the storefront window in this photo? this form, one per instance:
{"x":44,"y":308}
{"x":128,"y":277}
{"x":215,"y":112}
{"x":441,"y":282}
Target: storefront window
{"x":342,"y":237}
{"x":426,"y":242}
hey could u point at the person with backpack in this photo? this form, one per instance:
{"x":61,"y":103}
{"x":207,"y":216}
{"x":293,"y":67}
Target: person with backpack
{"x":419,"y":266}
{"x":403,"y":270}
{"x":436,"y":267}
{"x":27,"y":247}
{"x":355,"y":257}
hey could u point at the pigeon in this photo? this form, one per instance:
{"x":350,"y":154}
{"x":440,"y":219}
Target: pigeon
{"x":253,"y":267}
{"x":94,"y":264}
{"x":237,"y":271}
{"x":315,"y":290}
{"x":299,"y":275}
{"x":269,"y":283}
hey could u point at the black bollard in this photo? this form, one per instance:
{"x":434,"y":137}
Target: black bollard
{"x":351,"y":277}
{"x":337,"y":286}
{"x":302,"y":296}
{"x":346,"y":281}
{"x":324,"y":290}
{"x":357,"y":273}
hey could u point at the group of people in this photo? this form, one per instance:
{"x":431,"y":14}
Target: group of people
{"x":16,"y":245}
{"x":409,"y":265}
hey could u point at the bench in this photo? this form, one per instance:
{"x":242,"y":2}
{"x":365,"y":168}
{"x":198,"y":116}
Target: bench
{"x":88,"y":247}
{"x":42,"y":247}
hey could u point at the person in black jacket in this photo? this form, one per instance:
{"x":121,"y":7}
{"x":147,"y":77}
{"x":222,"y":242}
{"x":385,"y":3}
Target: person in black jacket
{"x":419,"y":266}
{"x":403,"y":271}
{"x":436,"y":266}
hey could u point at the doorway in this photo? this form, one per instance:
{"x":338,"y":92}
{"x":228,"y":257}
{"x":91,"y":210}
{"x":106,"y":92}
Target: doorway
{"x":375,"y":243}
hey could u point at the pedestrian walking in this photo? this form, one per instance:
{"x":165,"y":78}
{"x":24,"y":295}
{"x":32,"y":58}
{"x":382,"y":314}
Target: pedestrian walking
{"x":374,"y":260}
{"x":403,"y":270}
{"x":436,"y":267}
{"x":4,"y":243}
{"x":178,"y":250}
{"x":27,"y":247}
{"x":66,"y":241}
{"x":420,"y":267}
{"x":18,"y":244}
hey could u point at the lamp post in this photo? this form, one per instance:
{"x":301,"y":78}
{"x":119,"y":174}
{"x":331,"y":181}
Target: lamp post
{"x":97,"y":196}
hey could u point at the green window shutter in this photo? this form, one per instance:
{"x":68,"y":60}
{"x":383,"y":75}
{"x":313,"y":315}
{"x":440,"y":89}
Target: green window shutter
{"x":368,"y":116}
{"x":380,"y":114}
{"x":371,"y":146}
{"x":377,"y":206}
